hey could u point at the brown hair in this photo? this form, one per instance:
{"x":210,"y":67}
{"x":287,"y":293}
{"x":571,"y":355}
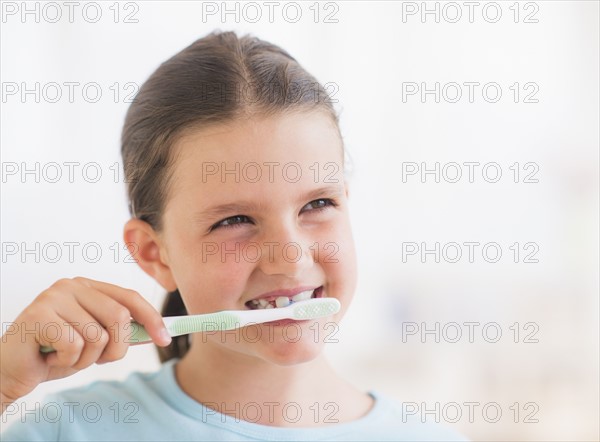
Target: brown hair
{"x":217,"y":79}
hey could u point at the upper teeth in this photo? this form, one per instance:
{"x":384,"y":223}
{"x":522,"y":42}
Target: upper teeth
{"x":282,"y":301}
{"x":301,"y":296}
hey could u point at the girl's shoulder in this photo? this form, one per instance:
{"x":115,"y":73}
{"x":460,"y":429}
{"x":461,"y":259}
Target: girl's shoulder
{"x":93,"y":411}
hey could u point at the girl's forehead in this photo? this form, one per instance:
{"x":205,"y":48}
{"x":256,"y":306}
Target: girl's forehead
{"x":296,"y":138}
{"x":294,"y":151}
{"x":307,"y":125}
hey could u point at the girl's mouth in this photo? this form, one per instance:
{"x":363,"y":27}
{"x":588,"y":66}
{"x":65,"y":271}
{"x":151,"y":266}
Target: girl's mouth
{"x":284,"y":301}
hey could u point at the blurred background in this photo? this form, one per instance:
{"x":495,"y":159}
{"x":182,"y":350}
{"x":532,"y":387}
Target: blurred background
{"x":473,"y":134}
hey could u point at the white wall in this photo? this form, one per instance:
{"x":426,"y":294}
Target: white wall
{"x":371,"y":53}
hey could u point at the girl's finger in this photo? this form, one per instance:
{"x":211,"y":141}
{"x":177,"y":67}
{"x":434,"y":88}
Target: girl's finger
{"x":141,"y":310}
{"x":114,"y":317}
{"x":84,"y":332}
{"x":84,"y":325}
{"x":63,"y":338}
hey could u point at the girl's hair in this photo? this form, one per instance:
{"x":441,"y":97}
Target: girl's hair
{"x":217,"y":79}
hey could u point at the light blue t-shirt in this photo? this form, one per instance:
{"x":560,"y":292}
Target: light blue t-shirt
{"x":152,"y":406}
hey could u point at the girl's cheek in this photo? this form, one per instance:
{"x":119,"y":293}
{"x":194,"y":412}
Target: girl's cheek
{"x":209,"y":280}
{"x":228,"y":256}
{"x":334,"y":245}
{"x":210,"y":292}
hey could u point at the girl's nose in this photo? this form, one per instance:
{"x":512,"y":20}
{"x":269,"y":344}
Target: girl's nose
{"x":286,"y":252}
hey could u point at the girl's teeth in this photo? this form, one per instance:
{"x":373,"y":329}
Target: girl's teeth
{"x":302,"y":296}
{"x":282,"y":301}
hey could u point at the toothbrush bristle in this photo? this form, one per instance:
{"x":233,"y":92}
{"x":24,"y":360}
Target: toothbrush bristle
{"x":316,"y":308}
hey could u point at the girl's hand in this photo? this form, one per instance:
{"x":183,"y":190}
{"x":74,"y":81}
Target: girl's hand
{"x":85,"y":321}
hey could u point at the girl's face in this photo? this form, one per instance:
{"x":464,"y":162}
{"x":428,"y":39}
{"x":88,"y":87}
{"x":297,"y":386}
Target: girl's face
{"x":255,"y":207}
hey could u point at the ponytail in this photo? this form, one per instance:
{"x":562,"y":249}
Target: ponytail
{"x":173,"y":306}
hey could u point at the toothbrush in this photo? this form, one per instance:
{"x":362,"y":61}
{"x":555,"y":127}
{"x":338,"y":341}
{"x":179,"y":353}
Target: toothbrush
{"x":232,"y":319}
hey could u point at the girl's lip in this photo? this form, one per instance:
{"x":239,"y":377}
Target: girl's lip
{"x":271,"y":296}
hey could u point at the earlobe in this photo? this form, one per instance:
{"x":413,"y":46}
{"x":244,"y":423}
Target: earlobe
{"x":146,"y":249}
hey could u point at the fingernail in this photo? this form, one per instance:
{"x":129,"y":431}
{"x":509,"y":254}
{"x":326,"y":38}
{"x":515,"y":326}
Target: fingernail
{"x":165,"y":336}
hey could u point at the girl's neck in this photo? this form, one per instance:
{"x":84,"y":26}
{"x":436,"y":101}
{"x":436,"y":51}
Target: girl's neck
{"x":303,"y":395}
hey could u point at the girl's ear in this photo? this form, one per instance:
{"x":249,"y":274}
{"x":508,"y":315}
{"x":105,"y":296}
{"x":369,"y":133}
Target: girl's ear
{"x":146,"y":248}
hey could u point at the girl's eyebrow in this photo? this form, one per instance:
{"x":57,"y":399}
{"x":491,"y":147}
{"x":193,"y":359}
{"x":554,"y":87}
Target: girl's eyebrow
{"x":210,"y":213}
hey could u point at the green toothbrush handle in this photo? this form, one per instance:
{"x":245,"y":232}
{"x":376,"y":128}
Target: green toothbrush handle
{"x":138,"y":334}
{"x":46,"y":349}
{"x":231,"y":319}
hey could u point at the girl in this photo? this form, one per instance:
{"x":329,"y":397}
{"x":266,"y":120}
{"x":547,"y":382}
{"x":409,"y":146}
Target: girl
{"x":236,"y":184}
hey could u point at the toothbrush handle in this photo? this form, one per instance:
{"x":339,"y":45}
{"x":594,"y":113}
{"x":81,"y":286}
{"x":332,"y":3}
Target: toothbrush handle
{"x":139,"y":335}
{"x":46,"y":349}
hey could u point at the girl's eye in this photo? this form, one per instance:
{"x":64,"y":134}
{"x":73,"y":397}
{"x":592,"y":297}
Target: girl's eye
{"x":321,"y":204}
{"x":237,"y":220}
{"x":231,"y":222}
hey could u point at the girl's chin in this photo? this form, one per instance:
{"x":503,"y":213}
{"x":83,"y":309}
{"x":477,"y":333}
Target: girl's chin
{"x":288,"y":344}
{"x":290,"y":354}
{"x":281,"y":343}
